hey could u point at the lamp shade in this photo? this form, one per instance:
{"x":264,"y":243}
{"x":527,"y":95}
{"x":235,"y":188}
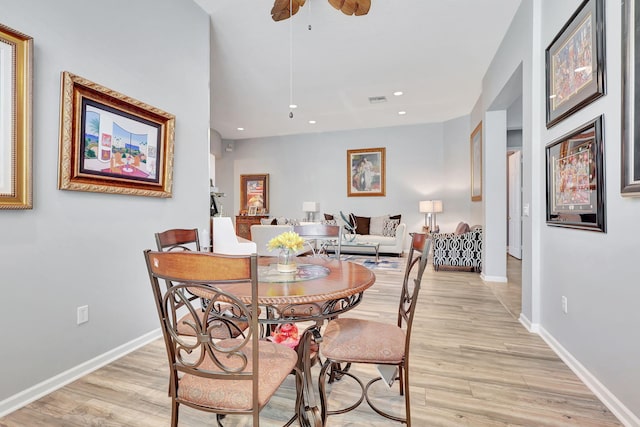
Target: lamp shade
{"x":310,"y":207}
{"x":431,"y":206}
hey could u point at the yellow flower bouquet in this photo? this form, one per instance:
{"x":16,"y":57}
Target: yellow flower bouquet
{"x":287,"y":240}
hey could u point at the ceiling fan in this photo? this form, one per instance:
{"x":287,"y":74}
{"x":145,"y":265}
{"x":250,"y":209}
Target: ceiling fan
{"x":280,"y":10}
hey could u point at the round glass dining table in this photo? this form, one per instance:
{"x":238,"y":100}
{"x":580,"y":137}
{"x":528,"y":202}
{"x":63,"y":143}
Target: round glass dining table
{"x":320,"y":289}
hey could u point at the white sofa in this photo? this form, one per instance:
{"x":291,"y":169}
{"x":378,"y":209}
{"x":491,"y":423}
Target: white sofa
{"x":261,"y":234}
{"x":388,"y":245}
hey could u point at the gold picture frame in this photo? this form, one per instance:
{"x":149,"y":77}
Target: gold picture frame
{"x":254,"y":193}
{"x":16,"y":69}
{"x":111,"y":143}
{"x":476,"y":163}
{"x":366,"y":172}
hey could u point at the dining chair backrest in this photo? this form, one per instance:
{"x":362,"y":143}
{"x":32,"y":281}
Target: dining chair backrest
{"x":323,"y":234}
{"x":416,"y":264}
{"x":201,"y":355}
{"x":178,"y":239}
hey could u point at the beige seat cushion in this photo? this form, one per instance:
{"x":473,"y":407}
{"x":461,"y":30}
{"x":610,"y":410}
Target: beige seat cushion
{"x":364,"y":341}
{"x":276,"y":362}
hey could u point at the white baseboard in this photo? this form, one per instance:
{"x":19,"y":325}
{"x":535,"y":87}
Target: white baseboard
{"x":618,"y":409}
{"x":500,"y":279}
{"x":534,"y":328}
{"x":27,"y":396}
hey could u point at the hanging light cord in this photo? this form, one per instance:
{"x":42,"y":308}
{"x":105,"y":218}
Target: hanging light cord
{"x":290,"y":59}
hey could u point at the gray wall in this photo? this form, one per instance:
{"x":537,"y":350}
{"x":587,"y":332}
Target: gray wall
{"x":77,"y":248}
{"x":313,"y":168}
{"x":595,"y":271}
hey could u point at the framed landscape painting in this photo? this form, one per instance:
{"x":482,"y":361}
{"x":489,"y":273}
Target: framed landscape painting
{"x":366,"y":172}
{"x":111,"y":143}
{"x":575,"y":179}
{"x":254,"y":193}
{"x":16,"y":75}
{"x":575,"y":65}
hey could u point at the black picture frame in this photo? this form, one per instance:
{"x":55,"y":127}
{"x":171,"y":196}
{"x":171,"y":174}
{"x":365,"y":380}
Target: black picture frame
{"x":630,"y":152}
{"x":575,"y":64}
{"x":575,"y":179}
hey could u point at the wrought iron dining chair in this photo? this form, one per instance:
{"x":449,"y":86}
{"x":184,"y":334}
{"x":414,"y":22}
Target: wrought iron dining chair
{"x":179,"y":239}
{"x":320,"y":237}
{"x":348,"y":340}
{"x":229,"y":376}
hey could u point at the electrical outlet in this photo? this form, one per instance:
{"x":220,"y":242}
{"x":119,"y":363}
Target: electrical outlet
{"x":564,"y":304}
{"x":83,"y":314}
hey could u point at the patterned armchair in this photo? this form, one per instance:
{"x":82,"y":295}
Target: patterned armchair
{"x":458,"y":250}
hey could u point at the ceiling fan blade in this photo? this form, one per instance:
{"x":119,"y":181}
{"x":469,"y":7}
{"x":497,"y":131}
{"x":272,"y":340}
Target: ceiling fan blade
{"x":280,"y":10}
{"x":352,"y":7}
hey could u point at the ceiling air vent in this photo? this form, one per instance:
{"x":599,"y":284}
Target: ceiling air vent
{"x":377,"y":99}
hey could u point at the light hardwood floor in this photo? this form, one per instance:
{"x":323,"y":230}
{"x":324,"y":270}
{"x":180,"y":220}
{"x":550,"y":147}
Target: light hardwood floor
{"x":472,"y":364}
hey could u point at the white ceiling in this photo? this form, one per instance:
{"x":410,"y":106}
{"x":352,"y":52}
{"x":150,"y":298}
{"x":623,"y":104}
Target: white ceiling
{"x":435,"y":51}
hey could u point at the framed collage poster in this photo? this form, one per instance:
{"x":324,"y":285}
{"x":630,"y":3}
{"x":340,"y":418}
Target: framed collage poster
{"x":366,"y":172}
{"x":575,"y":66}
{"x":575,"y":179}
{"x":110,"y":143}
{"x":630,"y":180}
{"x":476,"y":163}
{"x":254,"y":194}
{"x":16,"y":81}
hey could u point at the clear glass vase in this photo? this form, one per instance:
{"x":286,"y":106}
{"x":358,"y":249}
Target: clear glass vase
{"x":286,"y":261}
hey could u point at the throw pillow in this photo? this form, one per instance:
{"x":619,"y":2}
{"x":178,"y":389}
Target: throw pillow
{"x":265,"y":221}
{"x":328,"y":217}
{"x":398,"y":217}
{"x":274,"y":221}
{"x":462,"y":228}
{"x":377,"y":224}
{"x":362,"y":224}
{"x":329,"y":222}
{"x":389,"y":228}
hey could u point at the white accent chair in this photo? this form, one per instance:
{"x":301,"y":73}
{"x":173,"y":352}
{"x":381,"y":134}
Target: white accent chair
{"x":225,"y":240}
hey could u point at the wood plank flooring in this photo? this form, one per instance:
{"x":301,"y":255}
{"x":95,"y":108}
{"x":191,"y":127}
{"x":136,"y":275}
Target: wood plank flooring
{"x":472,"y":364}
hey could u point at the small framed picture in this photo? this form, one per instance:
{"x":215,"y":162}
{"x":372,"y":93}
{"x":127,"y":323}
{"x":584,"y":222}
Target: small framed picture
{"x":476,"y":163}
{"x":575,"y":179}
{"x":253,"y":210}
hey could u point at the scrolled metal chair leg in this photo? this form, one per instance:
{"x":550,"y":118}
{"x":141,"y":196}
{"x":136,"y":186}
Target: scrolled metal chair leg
{"x":380,"y":411}
{"x":323,"y":392}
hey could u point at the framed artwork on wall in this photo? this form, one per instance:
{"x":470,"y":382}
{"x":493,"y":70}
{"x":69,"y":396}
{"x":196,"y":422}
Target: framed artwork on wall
{"x":575,"y":65}
{"x":366,"y":172}
{"x":111,"y":143}
{"x":16,"y":81}
{"x":630,"y":180}
{"x":476,"y":163}
{"x":254,"y":193}
{"x":575,"y":179}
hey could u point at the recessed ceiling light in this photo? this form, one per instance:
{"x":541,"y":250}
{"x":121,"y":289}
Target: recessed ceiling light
{"x":398,"y":93}
{"x":240,"y":128}
{"x":293,"y":106}
{"x":312,"y":122}
{"x":402,"y":113}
